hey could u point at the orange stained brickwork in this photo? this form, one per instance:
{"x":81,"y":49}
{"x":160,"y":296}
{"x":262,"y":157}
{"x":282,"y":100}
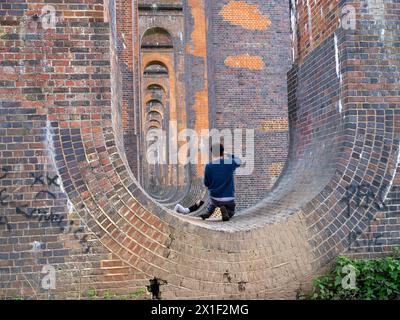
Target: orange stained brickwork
{"x":245,"y":15}
{"x":149,"y":95}
{"x":167,"y":59}
{"x":175,"y":110}
{"x":198,"y":48}
{"x":275,"y":125}
{"x":198,"y":45}
{"x":245,"y":61}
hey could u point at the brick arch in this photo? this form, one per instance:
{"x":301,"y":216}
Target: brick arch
{"x":157,"y":106}
{"x":158,"y":64}
{"x":154,"y":84}
{"x":157,"y":37}
{"x":272,"y":248}
{"x":159,"y":109}
{"x":155,"y":113}
{"x":154,"y":122}
{"x":150,"y":113}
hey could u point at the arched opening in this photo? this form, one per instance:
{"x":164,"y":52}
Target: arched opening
{"x":154,"y":123}
{"x":155,"y":115}
{"x":162,"y":87}
{"x":155,"y":68}
{"x":157,"y":38}
{"x":154,"y":103}
{"x":177,"y":76}
{"x":156,"y":91}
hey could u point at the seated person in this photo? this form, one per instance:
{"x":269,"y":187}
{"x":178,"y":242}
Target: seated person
{"x":219,"y":180}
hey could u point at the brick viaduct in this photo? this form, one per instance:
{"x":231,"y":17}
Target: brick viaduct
{"x":73,"y":102}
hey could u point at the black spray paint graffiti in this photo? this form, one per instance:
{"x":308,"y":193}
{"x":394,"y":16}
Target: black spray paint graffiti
{"x":364,"y":197}
{"x":371,"y":242}
{"x":42,"y":214}
{"x":3,"y":197}
{"x":4,"y":220}
{"x":39,"y":179}
{"x":45,"y":215}
{"x":4,"y":175}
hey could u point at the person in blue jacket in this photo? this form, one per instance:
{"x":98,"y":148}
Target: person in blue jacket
{"x":220,"y":182}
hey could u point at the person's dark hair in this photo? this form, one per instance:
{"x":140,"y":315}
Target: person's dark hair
{"x":218,"y":146}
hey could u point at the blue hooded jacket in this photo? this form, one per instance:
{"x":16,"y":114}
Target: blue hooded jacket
{"x":219,"y":177}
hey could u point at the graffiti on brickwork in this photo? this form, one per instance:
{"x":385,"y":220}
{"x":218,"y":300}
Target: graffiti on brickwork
{"x":372,"y":240}
{"x":39,"y":179}
{"x":3,"y":197}
{"x":42,"y":215}
{"x":364,"y":197}
{"x":82,"y":239}
{"x":4,"y":221}
{"x":4,"y":173}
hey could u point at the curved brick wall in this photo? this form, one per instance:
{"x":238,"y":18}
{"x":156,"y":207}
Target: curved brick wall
{"x":56,"y":120}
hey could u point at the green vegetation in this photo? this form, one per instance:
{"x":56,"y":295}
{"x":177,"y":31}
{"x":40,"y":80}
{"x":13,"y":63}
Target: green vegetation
{"x":106,"y":295}
{"x":137,"y":294}
{"x":91,"y":293}
{"x":376,"y":279}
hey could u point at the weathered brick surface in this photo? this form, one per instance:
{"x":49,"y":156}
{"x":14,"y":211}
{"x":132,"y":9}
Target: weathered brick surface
{"x":59,"y":117}
{"x":250,"y":55}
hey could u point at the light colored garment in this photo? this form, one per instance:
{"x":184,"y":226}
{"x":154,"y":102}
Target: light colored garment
{"x":181,"y":209}
{"x":226,"y":199}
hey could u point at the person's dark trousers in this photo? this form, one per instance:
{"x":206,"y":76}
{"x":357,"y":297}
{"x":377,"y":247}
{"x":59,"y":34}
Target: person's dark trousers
{"x":196,"y":206}
{"x":214,"y":204}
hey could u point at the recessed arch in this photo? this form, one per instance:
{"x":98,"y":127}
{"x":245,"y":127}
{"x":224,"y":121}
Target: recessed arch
{"x":155,"y":91}
{"x":154,"y":115}
{"x":153,"y":127}
{"x":156,"y":68}
{"x":157,"y":38}
{"x":156,"y":87}
{"x":154,"y":122}
{"x":154,"y":103}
